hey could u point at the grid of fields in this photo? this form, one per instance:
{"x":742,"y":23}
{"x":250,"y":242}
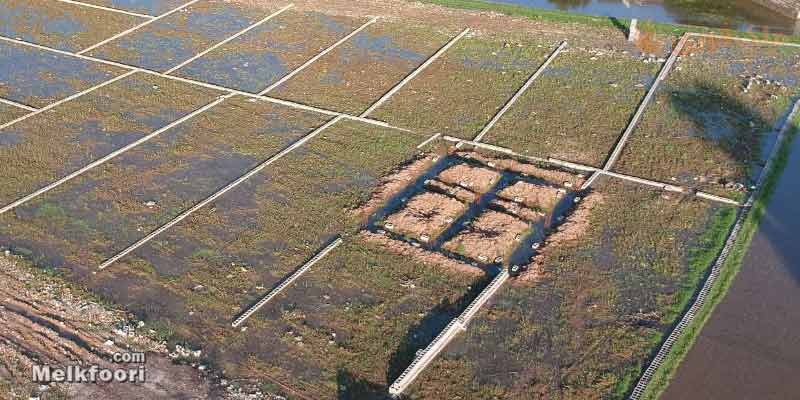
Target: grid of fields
{"x":205,"y":160}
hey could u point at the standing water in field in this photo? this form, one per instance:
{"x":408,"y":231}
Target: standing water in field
{"x":743,"y":15}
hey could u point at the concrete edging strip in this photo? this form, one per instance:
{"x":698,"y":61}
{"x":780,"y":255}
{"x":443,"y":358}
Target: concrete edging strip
{"x":520,"y":92}
{"x":18,"y":105}
{"x":137,"y":27}
{"x":110,"y":9}
{"x":234,"y":36}
{"x":708,"y":285}
{"x":286,"y":283}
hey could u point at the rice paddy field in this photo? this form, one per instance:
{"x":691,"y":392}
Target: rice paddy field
{"x":190,"y":162}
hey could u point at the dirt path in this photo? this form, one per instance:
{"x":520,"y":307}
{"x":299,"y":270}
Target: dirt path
{"x":44,"y":321}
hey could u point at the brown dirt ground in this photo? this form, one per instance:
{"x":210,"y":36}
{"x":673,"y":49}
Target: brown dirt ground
{"x":555,"y":177}
{"x":518,"y":210}
{"x":491,"y":235}
{"x":43,"y":321}
{"x":394,"y":183}
{"x":570,"y":231}
{"x":464,"y":195}
{"x":421,"y":255}
{"x":426,"y":214}
{"x":477,"y":179}
{"x":534,"y":196}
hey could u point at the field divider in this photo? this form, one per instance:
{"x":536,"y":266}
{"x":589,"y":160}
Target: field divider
{"x":18,"y":105}
{"x":520,"y":92}
{"x":733,"y":38}
{"x":112,"y":155}
{"x":229,"y":39}
{"x":700,"y":299}
{"x":66,"y":99}
{"x":137,"y":27}
{"x":286,"y":283}
{"x":596,"y":171}
{"x":218,"y":193}
{"x":456,"y":325}
{"x":110,"y":9}
{"x":317,"y":57}
{"x":634,"y":122}
{"x":414,"y":73}
{"x":287,"y":103}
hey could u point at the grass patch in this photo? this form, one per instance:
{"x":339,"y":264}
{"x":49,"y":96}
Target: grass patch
{"x":663,"y":375}
{"x":558,"y":16}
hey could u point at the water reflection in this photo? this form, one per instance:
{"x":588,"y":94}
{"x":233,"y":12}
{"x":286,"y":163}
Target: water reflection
{"x":743,"y":15}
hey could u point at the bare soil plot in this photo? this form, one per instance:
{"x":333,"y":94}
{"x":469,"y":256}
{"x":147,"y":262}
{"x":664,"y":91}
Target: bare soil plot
{"x":711,"y":121}
{"x":457,"y":192}
{"x":491,"y":237}
{"x":362,"y":70}
{"x":266,"y":54}
{"x":460,"y":92}
{"x":60,"y":25}
{"x":9,"y":113}
{"x":51,"y":145}
{"x":536,"y":197}
{"x":180,"y":36}
{"x":475,"y":178}
{"x":578,"y":108}
{"x":37,"y":78}
{"x":603,"y":301}
{"x":425,"y":216}
{"x":97,"y":215}
{"x":149,"y":7}
{"x":351,"y":325}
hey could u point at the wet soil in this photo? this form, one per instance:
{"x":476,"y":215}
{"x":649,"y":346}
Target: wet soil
{"x":266,"y":54}
{"x":45,"y":321}
{"x":178,"y":37}
{"x":60,"y":25}
{"x":460,"y":92}
{"x":713,"y":117}
{"x":53,"y":144}
{"x":548,"y":122}
{"x":37,"y":78}
{"x":148,"y":7}
{"x":359,"y":72}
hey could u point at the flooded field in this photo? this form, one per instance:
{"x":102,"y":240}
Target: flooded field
{"x":320,"y":253}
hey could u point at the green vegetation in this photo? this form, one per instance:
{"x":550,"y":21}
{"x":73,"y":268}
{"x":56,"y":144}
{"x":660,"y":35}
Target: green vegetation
{"x":467,"y":86}
{"x":731,"y":267}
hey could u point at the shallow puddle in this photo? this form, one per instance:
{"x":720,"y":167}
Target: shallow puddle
{"x":180,"y":36}
{"x":266,"y":54}
{"x":37,"y":78}
{"x":60,"y":25}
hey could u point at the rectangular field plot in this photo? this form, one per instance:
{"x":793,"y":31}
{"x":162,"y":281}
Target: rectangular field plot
{"x":60,"y":25}
{"x":710,"y":123}
{"x":610,"y":288}
{"x":266,"y":54}
{"x":460,"y":92}
{"x":7,"y":114}
{"x":180,"y":36}
{"x":578,"y":108}
{"x":50,"y":145}
{"x":37,"y":78}
{"x":362,"y":70}
{"x":359,"y":317}
{"x":97,"y":215}
{"x":231,"y":252}
{"x":148,"y":7}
